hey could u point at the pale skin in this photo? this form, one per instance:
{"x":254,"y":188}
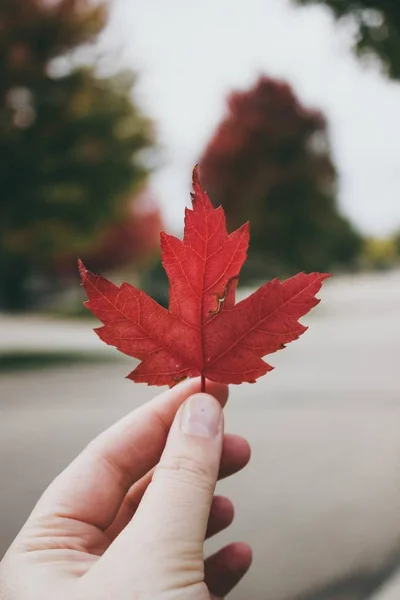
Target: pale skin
{"x":128,"y":518}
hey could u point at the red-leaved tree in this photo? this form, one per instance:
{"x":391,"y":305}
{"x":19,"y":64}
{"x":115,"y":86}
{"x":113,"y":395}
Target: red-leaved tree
{"x":269,"y":162}
{"x":130,"y":242}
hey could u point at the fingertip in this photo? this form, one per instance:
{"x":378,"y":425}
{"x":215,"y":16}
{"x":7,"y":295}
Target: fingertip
{"x":243,"y":449}
{"x":220,"y":391}
{"x":236,"y":454}
{"x":221,"y":515}
{"x":188,"y":387}
{"x":225,"y":569}
{"x":239,"y":557}
{"x":222,"y":508}
{"x":201,"y":415}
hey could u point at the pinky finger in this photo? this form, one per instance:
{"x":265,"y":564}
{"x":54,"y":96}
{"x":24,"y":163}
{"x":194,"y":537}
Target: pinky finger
{"x":225,"y":569}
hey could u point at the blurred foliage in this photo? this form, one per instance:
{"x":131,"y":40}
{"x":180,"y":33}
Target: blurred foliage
{"x":269,"y":162}
{"x":377,"y":27}
{"x":396,"y":242}
{"x":380,"y":253}
{"x":132,"y":240}
{"x":155,"y":283}
{"x":71,"y":143}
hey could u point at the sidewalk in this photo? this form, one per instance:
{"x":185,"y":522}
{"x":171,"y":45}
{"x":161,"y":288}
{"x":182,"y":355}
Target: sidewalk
{"x":37,"y":333}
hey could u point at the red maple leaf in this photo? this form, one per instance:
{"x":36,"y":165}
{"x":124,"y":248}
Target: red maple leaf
{"x":204,"y":332}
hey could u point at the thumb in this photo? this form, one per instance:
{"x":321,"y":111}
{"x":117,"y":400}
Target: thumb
{"x":178,"y":501}
{"x":166,"y":535}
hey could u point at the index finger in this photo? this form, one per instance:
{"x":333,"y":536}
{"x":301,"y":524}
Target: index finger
{"x":94,"y":485}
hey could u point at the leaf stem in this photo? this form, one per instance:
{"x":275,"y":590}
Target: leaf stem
{"x":203,"y":384}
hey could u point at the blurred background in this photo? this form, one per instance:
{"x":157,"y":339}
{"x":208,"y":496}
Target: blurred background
{"x":291,"y":109}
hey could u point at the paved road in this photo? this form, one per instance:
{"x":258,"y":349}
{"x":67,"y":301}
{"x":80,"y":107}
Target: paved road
{"x":320,"y":501}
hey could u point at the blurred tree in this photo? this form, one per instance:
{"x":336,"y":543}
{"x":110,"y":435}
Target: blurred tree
{"x":378,"y":27}
{"x":269,"y":162}
{"x":132,"y":240}
{"x":396,"y":243}
{"x":71,"y":143}
{"x":380,"y":253}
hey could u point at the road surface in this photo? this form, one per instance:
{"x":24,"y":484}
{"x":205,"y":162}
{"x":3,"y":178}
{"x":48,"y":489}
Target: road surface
{"x":320,"y":501}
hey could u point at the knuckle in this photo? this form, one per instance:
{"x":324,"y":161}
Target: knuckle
{"x":186,"y":470}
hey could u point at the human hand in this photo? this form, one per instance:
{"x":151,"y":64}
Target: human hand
{"x":128,"y":517}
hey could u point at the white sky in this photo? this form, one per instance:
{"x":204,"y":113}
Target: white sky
{"x":191,"y":54}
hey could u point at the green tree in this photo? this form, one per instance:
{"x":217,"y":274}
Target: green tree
{"x":71,"y":145}
{"x":269,"y":162}
{"x":378,"y":27}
